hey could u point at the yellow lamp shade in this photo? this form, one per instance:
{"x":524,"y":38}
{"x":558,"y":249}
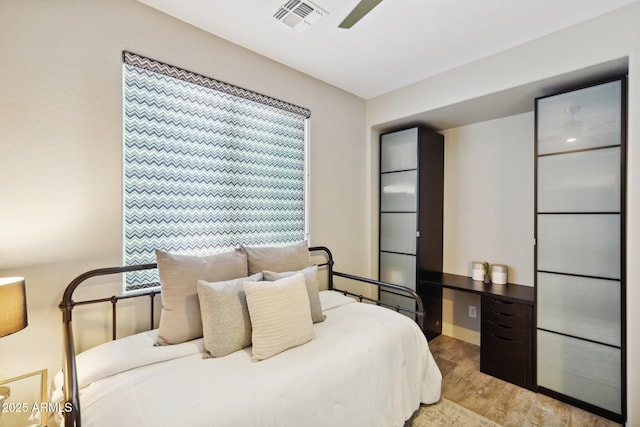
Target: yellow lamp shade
{"x":13,"y":305}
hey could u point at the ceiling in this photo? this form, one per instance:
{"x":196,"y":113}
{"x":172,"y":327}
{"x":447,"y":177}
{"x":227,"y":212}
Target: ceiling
{"x":398,"y":43}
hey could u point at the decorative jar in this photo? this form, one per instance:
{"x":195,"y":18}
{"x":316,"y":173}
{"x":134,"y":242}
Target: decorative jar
{"x":499,"y":274}
{"x":478,"y":271}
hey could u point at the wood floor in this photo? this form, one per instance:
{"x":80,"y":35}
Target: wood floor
{"x":497,"y":400}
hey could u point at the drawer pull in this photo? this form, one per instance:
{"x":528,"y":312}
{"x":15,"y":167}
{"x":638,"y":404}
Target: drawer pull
{"x":502,"y":302}
{"x":499,"y":325}
{"x":503,"y":338}
{"x":503,"y":314}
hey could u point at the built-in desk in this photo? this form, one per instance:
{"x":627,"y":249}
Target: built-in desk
{"x":506,"y":335}
{"x":509,"y":292}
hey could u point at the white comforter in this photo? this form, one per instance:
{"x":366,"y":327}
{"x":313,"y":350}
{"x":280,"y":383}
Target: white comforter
{"x":366,"y":366}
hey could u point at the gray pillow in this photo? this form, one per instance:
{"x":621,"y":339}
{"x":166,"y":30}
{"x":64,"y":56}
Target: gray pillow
{"x":313,"y":289}
{"x":180,"y":319}
{"x":284,"y":258}
{"x":226,"y":324}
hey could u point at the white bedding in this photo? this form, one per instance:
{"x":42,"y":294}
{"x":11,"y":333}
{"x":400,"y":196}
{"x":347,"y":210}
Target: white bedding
{"x":366,"y":366}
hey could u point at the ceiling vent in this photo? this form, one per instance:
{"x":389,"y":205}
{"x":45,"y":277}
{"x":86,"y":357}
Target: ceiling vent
{"x":299,"y":15}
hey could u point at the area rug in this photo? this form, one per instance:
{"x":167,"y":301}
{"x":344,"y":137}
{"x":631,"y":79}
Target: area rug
{"x":445,"y":413}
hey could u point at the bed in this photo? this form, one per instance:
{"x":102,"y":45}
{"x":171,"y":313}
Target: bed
{"x":366,"y":365}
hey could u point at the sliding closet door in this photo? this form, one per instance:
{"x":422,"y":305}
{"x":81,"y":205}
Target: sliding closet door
{"x":580,"y":247}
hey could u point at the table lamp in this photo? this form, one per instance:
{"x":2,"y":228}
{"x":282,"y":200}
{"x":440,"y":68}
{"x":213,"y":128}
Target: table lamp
{"x":13,"y":313}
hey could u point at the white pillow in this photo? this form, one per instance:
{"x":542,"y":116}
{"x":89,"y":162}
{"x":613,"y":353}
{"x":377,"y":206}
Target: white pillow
{"x":280,"y":315}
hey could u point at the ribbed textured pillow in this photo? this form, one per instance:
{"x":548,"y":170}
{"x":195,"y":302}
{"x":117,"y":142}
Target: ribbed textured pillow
{"x":226,"y":325}
{"x":313,"y":289}
{"x":280,"y":315}
{"x":180,"y":319}
{"x":284,"y":258}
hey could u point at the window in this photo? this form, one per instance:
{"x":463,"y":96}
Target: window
{"x":207,"y":166}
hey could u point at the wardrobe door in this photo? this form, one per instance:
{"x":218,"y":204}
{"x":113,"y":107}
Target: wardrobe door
{"x":398,"y":214}
{"x":580,"y":247}
{"x":411,"y":198}
{"x":399,"y":151}
{"x":398,"y":269}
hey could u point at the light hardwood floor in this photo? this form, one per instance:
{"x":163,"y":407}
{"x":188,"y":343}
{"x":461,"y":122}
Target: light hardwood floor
{"x":497,"y":400}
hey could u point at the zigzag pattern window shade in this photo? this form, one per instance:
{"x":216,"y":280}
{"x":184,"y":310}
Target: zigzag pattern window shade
{"x":208,"y":166}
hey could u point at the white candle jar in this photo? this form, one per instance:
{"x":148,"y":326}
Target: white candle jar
{"x":478,"y":271}
{"x":499,"y":274}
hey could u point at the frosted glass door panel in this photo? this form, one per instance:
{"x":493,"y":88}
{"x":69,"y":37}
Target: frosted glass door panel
{"x":579,"y":306}
{"x":398,"y":191}
{"x":580,"y":369}
{"x":398,"y":232}
{"x":394,"y":299}
{"x":580,"y":244}
{"x":586,"y":181}
{"x":398,"y":269}
{"x":580,"y":119}
{"x":399,"y":151}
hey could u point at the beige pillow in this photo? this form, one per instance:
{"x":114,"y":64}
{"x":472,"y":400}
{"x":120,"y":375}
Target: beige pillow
{"x":284,"y":258}
{"x":226,"y":324}
{"x":313,"y":289}
{"x":280,"y":315}
{"x":180,"y":319}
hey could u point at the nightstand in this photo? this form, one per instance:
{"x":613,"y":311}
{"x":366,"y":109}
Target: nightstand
{"x":5,"y":392}
{"x":25,"y":408}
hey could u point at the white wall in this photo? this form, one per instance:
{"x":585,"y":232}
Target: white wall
{"x":488,"y":209}
{"x":60,"y":148}
{"x":488,"y":202}
{"x":603,"y":39}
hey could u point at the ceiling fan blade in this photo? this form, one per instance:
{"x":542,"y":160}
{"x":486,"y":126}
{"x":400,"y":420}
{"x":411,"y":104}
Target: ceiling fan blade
{"x":364,"y":7}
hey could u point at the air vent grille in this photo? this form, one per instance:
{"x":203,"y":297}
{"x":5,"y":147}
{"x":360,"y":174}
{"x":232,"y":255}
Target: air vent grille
{"x":298,"y":14}
{"x":303,"y":10}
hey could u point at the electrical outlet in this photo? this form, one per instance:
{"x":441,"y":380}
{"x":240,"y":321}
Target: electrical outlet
{"x":472,"y":311}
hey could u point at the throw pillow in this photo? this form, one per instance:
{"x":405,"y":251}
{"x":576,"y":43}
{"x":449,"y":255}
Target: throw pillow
{"x":280,"y":315}
{"x":180,"y":319}
{"x":226,"y":325}
{"x":313,"y":289}
{"x":284,"y":258}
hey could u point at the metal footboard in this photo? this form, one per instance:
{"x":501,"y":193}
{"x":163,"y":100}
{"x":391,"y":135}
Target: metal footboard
{"x":71,"y":391}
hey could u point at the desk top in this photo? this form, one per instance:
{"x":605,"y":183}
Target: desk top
{"x":511,"y":292}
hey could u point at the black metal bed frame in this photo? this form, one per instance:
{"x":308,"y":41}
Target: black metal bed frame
{"x":71,"y":391}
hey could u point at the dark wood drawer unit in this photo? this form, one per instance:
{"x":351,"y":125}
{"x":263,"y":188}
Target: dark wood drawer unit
{"x":506,"y":340}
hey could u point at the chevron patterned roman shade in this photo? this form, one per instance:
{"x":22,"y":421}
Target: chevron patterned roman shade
{"x":207,"y":166}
